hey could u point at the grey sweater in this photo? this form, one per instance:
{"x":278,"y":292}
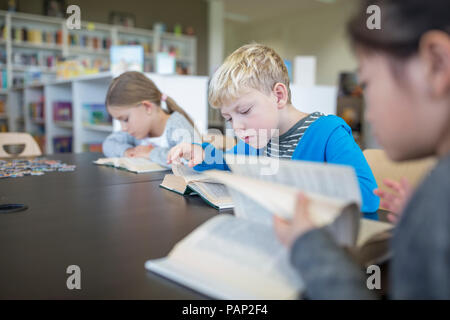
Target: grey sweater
{"x":420,"y":267}
{"x":177,"y":130}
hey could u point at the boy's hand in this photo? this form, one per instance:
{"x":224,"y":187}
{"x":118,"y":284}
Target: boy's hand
{"x":139,"y":152}
{"x":396,"y":199}
{"x":288,"y":231}
{"x":193,"y":153}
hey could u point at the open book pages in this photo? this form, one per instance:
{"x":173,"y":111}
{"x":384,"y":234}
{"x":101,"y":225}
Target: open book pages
{"x":137,"y":165}
{"x":240,"y":257}
{"x":215,"y":194}
{"x":281,"y":199}
{"x":332,"y":180}
{"x":369,"y":229}
{"x":317,"y":179}
{"x":185,"y":180}
{"x":374,"y":242}
{"x":258,"y":198}
{"x":231,"y":258}
{"x":190,"y":175}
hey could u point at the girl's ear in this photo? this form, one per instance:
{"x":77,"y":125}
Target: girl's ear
{"x":281,"y":93}
{"x":149,"y":107}
{"x":435,"y":51}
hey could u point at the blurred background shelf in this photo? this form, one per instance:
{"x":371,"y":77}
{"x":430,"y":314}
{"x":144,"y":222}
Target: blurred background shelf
{"x":31,"y":94}
{"x":99,"y":127}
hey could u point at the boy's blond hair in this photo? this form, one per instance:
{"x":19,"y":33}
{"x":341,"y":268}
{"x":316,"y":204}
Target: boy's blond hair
{"x":253,"y":66}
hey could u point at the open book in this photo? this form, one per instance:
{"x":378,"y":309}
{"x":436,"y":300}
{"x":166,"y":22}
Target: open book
{"x":136,"y":165}
{"x":187,"y":181}
{"x":240,"y":257}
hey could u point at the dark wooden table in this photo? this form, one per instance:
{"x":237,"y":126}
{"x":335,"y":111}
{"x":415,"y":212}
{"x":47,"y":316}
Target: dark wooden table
{"x":106,"y":221}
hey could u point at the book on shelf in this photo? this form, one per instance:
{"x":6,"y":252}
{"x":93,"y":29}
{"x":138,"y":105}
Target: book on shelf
{"x":240,"y":257}
{"x":93,"y":147}
{"x":62,"y":144}
{"x":136,"y":165}
{"x":186,"y":181}
{"x":126,"y":58}
{"x":96,"y":114}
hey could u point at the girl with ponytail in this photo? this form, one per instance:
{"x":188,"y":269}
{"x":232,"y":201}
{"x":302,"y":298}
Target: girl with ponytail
{"x":152,"y":123}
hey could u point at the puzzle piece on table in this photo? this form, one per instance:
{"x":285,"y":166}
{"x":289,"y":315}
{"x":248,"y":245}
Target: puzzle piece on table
{"x":16,"y":168}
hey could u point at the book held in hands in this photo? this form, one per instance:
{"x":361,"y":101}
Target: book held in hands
{"x":240,"y":256}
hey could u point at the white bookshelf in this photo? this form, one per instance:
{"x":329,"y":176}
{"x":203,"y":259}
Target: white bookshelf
{"x":3,"y":111}
{"x":20,"y":48}
{"x":89,"y":90}
{"x":33,"y":124}
{"x":86,"y":89}
{"x":92,"y":42}
{"x":56,"y":92}
{"x":185,"y":49}
{"x":189,"y":91}
{"x":15,"y":111}
{"x":145,"y":38}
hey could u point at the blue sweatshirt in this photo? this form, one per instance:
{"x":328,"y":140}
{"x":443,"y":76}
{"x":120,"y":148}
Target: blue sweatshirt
{"x":328,"y":139}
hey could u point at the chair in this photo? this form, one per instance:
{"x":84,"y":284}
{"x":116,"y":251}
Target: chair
{"x":382,"y":167}
{"x":19,"y":139}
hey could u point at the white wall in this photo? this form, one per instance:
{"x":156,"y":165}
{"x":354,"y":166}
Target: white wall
{"x":309,"y":99}
{"x":320,"y":33}
{"x":189,"y":92}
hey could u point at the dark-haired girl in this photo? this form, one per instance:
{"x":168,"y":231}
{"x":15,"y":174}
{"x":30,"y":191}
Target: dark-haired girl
{"x":405,"y":69}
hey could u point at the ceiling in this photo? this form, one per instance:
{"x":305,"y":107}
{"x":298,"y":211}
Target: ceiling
{"x":252,"y":10}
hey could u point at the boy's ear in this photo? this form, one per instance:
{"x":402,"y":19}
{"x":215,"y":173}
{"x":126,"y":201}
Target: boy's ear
{"x":148,"y":106}
{"x":434,"y":49}
{"x":281,"y":93}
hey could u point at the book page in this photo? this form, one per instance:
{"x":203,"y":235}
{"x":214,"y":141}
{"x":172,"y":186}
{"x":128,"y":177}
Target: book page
{"x":214,"y":190}
{"x":138,"y":165}
{"x":174,"y":183}
{"x":329,"y":180}
{"x":370,"y":228}
{"x":238,"y":257}
{"x":189,"y":174}
{"x":332,"y":180}
{"x":216,"y":193}
{"x":107,"y":161}
{"x":249,"y":209}
{"x":276,"y":199}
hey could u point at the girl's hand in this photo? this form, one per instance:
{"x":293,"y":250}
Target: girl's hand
{"x":129,"y":153}
{"x":193,"y":153}
{"x":288,"y":231}
{"x":139,"y":152}
{"x":394,"y":200}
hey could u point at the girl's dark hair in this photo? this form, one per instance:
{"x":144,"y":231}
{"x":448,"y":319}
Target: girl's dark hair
{"x":403,"y":22}
{"x":131,"y":88}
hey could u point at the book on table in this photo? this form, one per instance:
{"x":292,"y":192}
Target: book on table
{"x":136,"y":165}
{"x":186,"y":181}
{"x":240,"y":257}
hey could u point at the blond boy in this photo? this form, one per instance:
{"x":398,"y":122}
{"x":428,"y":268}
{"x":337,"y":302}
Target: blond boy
{"x":251,"y":89}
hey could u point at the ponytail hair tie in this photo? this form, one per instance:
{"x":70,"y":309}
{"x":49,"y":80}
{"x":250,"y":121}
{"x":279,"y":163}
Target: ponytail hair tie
{"x":163,"y":102}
